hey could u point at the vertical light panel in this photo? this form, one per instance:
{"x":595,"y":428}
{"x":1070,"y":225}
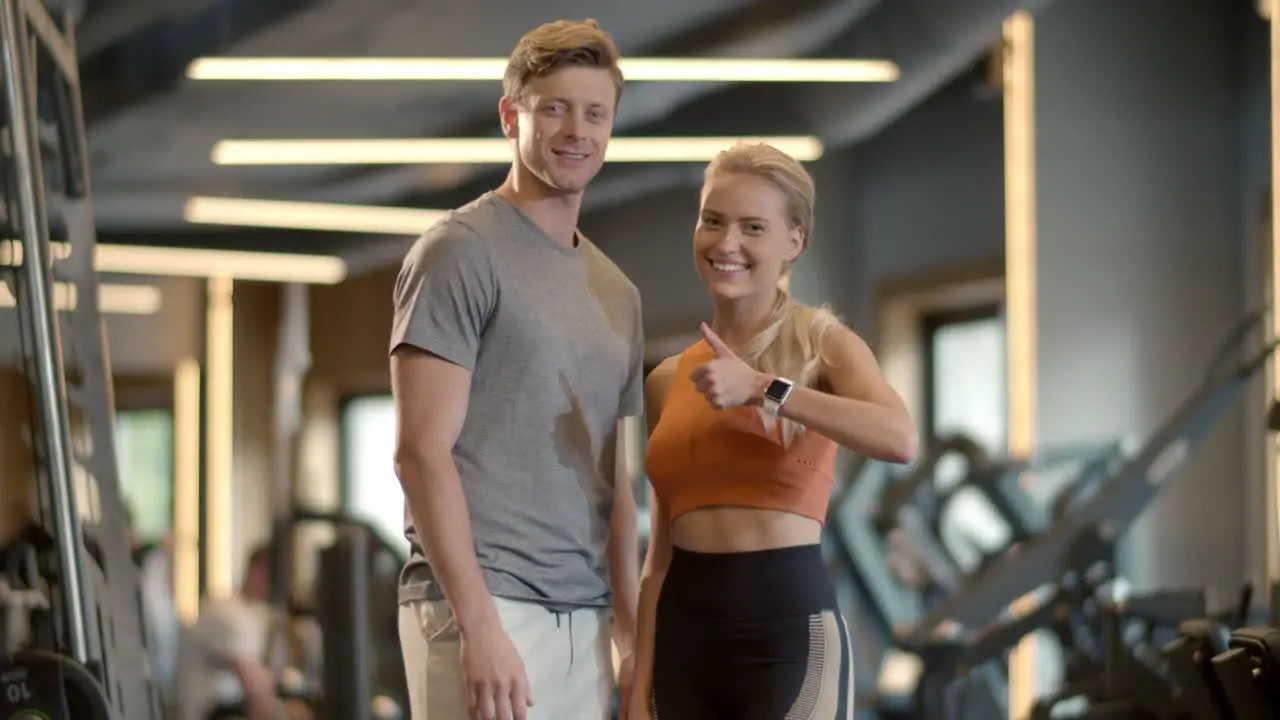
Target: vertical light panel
{"x":219,"y":429}
{"x":1272,"y":475}
{"x":186,"y":489}
{"x":1020,"y":290}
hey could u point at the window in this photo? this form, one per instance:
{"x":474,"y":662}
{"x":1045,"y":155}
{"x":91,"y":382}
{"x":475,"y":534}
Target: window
{"x":144,"y":456}
{"x":965,"y":394}
{"x":965,"y":383}
{"x":370,"y":489}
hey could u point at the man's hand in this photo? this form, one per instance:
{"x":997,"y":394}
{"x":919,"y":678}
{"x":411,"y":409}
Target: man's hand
{"x":727,"y":382}
{"x":497,"y":687}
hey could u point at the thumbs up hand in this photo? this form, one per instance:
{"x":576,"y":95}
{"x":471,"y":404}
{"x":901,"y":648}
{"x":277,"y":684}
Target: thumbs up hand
{"x":727,"y":382}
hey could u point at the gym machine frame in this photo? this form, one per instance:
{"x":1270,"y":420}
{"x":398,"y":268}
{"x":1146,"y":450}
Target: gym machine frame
{"x":1082,"y":540}
{"x":873,"y":513}
{"x":96,"y":644}
{"x":356,"y":677}
{"x":1113,"y":506}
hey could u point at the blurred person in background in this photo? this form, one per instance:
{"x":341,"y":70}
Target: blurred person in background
{"x":225,"y":668}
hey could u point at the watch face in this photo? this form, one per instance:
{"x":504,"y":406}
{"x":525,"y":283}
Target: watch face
{"x":777,"y":390}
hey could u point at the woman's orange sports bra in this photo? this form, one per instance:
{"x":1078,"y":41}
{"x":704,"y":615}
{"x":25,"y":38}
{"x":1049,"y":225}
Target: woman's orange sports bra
{"x":700,"y":457}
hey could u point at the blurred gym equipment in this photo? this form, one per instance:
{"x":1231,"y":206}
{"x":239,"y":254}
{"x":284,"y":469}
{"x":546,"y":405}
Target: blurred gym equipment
{"x":74,"y":645}
{"x":354,"y":604}
{"x":1122,"y":651}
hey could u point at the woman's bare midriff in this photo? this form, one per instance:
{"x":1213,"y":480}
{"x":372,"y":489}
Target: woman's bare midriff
{"x":739,"y":529}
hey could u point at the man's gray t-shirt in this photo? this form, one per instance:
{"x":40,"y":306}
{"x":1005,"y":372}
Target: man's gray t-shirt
{"x":553,"y":338}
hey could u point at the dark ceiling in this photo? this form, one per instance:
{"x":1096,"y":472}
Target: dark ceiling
{"x":150,"y":130}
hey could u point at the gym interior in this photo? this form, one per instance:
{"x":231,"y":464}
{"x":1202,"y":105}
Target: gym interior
{"x":1050,"y":219}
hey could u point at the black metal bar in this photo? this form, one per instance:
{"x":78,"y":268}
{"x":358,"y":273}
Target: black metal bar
{"x":55,"y":43}
{"x":37,"y":279}
{"x":900,"y":493}
{"x":343,"y":613}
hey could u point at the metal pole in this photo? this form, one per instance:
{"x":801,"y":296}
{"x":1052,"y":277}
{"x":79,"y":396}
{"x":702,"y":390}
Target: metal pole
{"x":50,"y":382}
{"x":1269,"y":13}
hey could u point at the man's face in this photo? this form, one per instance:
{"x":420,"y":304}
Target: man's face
{"x":562,"y":126}
{"x":257,"y":580}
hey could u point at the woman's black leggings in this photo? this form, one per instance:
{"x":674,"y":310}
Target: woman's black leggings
{"x":751,"y":636}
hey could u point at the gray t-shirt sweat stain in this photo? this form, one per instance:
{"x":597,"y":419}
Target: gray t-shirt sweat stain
{"x":553,"y":337}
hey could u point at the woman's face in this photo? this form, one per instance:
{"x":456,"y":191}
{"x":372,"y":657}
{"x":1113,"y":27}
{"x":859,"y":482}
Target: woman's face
{"x":744,"y":239}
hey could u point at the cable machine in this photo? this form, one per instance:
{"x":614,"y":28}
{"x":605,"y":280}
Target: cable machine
{"x":72,"y":642}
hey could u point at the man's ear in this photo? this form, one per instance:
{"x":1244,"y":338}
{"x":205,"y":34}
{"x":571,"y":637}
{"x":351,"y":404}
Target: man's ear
{"x":509,"y":117}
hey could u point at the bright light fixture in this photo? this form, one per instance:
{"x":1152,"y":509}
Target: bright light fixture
{"x":483,"y":150}
{"x":199,"y":262}
{"x":112,"y":299}
{"x":309,"y":216}
{"x":234,"y":264}
{"x":635,"y":69}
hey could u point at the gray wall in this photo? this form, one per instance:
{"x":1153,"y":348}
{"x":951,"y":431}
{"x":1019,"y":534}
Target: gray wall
{"x":931,"y":190}
{"x":1139,"y":265}
{"x":1252,"y":153}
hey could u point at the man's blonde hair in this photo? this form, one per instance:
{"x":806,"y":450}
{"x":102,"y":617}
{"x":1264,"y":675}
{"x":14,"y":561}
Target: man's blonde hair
{"x":554,"y":46}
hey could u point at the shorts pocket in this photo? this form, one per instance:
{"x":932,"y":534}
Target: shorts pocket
{"x":436,"y":620}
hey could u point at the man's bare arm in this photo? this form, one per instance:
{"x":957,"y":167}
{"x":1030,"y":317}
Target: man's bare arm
{"x":624,"y":544}
{"x":259,"y":687}
{"x":431,"y":398}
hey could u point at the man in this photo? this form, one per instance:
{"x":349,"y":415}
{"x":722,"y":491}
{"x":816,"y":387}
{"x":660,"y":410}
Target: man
{"x":516,"y":355}
{"x":224,"y":655}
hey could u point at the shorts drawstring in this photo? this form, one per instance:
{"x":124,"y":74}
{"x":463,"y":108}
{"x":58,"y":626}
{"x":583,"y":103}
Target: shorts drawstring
{"x":558,"y":614}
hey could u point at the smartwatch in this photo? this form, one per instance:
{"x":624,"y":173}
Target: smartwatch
{"x":776,"y":394}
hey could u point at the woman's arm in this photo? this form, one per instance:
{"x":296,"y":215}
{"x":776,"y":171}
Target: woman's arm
{"x":862,"y":412}
{"x":651,"y":578}
{"x":656,"y":558}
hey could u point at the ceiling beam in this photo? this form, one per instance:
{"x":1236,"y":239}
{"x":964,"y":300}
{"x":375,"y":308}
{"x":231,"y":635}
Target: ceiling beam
{"x":932,"y":42}
{"x":153,"y":59}
{"x":107,"y":23}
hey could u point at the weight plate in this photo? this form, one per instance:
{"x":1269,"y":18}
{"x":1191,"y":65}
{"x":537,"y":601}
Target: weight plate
{"x":83,"y":695}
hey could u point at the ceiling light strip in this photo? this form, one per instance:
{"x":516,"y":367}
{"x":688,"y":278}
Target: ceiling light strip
{"x":309,"y":216}
{"x":199,"y":262}
{"x":234,"y":264}
{"x":484,"y":150}
{"x":112,"y":299}
{"x":491,"y":69}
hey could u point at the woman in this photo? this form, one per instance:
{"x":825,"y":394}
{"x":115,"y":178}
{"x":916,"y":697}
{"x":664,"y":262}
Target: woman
{"x":738,"y":618}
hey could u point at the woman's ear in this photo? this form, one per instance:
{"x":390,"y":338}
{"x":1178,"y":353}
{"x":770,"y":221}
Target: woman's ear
{"x":796,"y":242}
